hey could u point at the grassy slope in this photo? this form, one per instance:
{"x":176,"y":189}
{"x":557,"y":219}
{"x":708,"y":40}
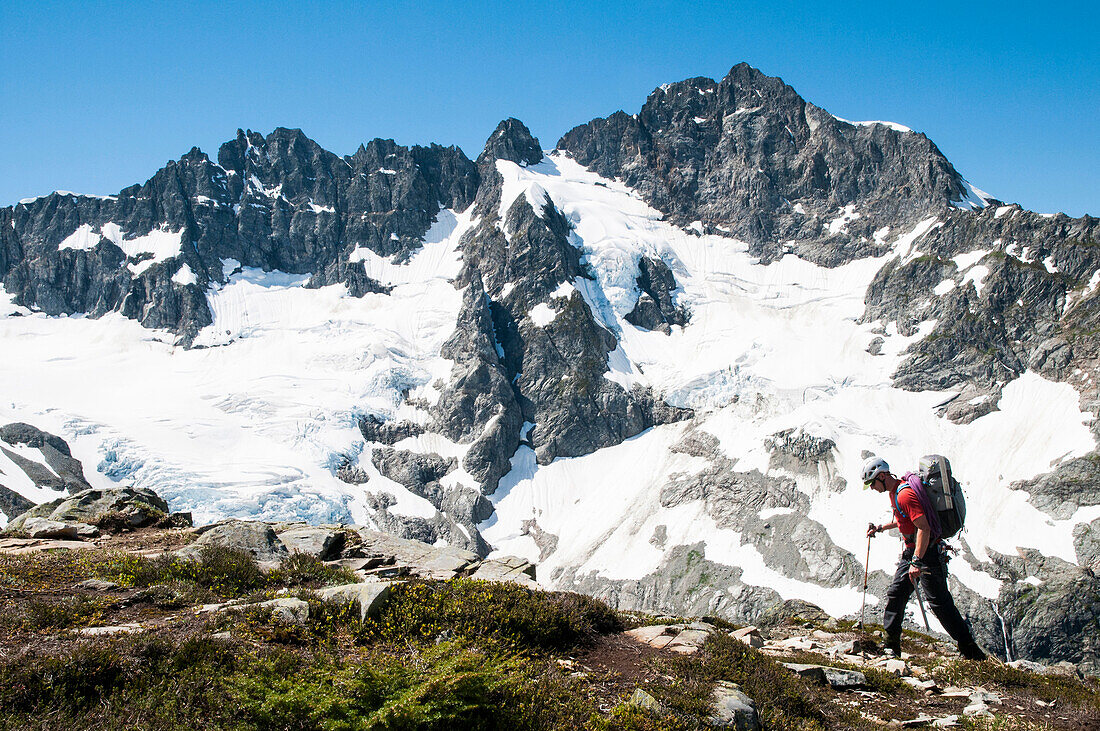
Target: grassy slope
{"x":440,"y":655}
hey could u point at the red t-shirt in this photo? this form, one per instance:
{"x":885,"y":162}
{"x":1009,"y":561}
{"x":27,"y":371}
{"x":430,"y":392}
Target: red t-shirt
{"x":908,"y":502}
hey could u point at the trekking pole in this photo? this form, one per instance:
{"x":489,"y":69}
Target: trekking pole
{"x":920,"y":601}
{"x":866,"y":568}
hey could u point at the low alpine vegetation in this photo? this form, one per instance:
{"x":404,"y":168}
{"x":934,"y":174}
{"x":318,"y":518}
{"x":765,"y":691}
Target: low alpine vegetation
{"x":219,"y":572}
{"x":223,"y":572}
{"x":508,"y":613}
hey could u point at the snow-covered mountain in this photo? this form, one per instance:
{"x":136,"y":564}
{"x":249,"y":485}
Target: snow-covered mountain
{"x":651,"y":360}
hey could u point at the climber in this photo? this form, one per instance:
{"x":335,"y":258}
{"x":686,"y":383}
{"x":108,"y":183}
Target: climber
{"x":922,"y":560}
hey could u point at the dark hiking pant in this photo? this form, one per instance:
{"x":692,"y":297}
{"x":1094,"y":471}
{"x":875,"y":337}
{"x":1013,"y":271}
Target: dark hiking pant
{"x":933,"y":585}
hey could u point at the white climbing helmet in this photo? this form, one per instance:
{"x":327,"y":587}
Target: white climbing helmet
{"x":872,"y":468}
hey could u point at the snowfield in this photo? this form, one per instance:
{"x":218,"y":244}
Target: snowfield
{"x":255,"y":423}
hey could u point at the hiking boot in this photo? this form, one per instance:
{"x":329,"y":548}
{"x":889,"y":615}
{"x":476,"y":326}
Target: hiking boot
{"x":892,"y":647}
{"x":971,"y":651}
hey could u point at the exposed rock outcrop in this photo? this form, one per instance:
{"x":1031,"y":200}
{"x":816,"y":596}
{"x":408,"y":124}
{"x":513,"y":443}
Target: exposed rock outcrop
{"x":1008,"y":291}
{"x":12,"y":503}
{"x":685,"y":583}
{"x":523,"y":259}
{"x":133,"y":507}
{"x":655,"y":309}
{"x":60,"y":470}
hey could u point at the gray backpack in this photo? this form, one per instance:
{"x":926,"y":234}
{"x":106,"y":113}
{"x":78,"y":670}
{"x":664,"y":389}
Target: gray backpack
{"x":945,"y":493}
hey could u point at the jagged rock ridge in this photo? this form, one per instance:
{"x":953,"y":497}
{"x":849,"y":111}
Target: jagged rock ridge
{"x":275,"y":203}
{"x":747,"y":156}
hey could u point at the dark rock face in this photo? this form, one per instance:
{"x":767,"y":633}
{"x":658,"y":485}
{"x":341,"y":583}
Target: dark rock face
{"x":20,"y":433}
{"x":60,"y":471}
{"x":748,"y":155}
{"x":1086,"y":544}
{"x":1072,"y":485}
{"x":459,"y":508}
{"x":732,"y":498}
{"x":476,"y":407}
{"x":420,"y":473}
{"x":1055,"y":621}
{"x":799,"y":452}
{"x":655,"y":309}
{"x":556,"y":370}
{"x":479,"y":404}
{"x":511,"y":141}
{"x":432,"y":530}
{"x":40,"y":475}
{"x":375,"y":429}
{"x":686,"y":583}
{"x":1032,"y":311}
{"x":12,"y":503}
{"x":276,"y":202}
{"x":789,"y":541}
{"x":509,"y":369}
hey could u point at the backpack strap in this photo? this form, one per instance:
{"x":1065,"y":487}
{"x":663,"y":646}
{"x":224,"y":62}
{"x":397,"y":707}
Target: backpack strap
{"x":908,"y":537}
{"x":894,"y":498}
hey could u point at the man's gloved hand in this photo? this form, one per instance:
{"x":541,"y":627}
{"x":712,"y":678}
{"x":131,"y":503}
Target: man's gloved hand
{"x":915,"y":567}
{"x":872,"y":529}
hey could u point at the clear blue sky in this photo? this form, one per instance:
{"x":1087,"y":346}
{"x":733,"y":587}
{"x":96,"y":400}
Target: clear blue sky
{"x":96,"y":96}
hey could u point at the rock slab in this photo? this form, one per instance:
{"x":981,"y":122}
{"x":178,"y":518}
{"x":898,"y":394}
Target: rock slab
{"x":46,"y":528}
{"x":733,"y":709}
{"x":370,"y":596}
{"x":259,"y":539}
{"x":835,"y":677}
{"x":288,"y":610}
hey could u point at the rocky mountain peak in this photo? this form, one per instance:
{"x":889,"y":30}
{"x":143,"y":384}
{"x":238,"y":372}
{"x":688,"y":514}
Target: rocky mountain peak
{"x":195,"y":155}
{"x":231,"y":154}
{"x":511,"y":141}
{"x":747,"y":79}
{"x":748,"y":157}
{"x":374,"y":153}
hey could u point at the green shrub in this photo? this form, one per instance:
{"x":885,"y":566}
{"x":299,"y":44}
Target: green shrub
{"x":625,"y":717}
{"x":450,"y":685}
{"x":88,"y":673}
{"x":217,"y":571}
{"x":330,"y":623}
{"x":46,"y":570}
{"x":224,"y":572}
{"x":141,"y":682}
{"x":40,"y":614}
{"x":506,"y":612}
{"x":172,"y":594}
{"x":305,"y":569}
{"x":73,"y":681}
